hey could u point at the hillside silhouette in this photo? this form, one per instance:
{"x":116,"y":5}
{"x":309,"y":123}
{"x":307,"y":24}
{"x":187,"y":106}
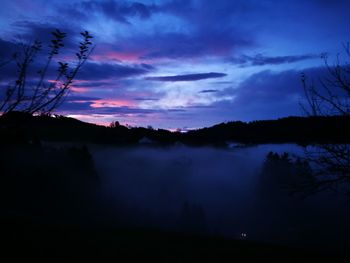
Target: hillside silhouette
{"x":301,"y":130}
{"x":18,"y":127}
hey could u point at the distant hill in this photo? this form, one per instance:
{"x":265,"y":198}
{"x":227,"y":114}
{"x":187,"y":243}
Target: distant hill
{"x":21,"y":127}
{"x":302,"y":130}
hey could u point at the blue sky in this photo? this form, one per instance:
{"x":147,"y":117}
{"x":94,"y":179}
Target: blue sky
{"x":185,"y":64}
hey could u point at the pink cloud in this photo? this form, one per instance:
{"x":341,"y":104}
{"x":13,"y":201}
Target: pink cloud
{"x":112,"y":103}
{"x":79,"y":89}
{"x":133,"y":120}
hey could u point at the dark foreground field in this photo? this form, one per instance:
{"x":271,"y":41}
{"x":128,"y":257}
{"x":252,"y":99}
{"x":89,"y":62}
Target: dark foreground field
{"x":33,"y":240}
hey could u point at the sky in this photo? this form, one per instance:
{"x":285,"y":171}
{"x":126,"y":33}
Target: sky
{"x":184,"y":63}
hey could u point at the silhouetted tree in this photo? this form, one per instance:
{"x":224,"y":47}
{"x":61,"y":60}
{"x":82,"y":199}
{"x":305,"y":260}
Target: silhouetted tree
{"x":284,"y":172}
{"x":45,"y":95}
{"x":331,"y":162}
{"x":114,"y":124}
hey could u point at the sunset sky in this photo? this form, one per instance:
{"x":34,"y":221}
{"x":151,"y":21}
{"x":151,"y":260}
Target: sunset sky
{"x":181,"y":63}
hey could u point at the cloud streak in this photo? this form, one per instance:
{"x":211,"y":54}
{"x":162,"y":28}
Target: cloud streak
{"x":100,"y":71}
{"x":209,"y":91}
{"x":188,"y":77}
{"x":262,"y":60}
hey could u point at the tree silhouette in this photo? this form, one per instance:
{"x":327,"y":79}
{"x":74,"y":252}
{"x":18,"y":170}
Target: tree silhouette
{"x":285,"y":172}
{"x":46,"y":94}
{"x":331,"y":162}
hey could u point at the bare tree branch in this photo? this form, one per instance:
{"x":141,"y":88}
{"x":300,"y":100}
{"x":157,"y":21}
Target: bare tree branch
{"x":44,"y":97}
{"x":331,"y":162}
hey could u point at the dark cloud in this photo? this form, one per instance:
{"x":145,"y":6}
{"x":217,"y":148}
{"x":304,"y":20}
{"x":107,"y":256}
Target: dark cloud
{"x":96,"y":71}
{"x":200,"y":106}
{"x":212,"y":33}
{"x":147,"y":66}
{"x":28,"y":31}
{"x":176,"y":110}
{"x":267,"y":87}
{"x":201,"y":43}
{"x":221,"y":82}
{"x":72,"y":98}
{"x":146,"y":99}
{"x":74,"y":107}
{"x":7,"y":50}
{"x":188,"y":77}
{"x":261,"y":60}
{"x":267,"y":95}
{"x":209,"y":91}
{"x":118,"y":11}
{"x":92,"y":84}
{"x":8,"y":67}
{"x":215,"y":31}
{"x":122,"y":110}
